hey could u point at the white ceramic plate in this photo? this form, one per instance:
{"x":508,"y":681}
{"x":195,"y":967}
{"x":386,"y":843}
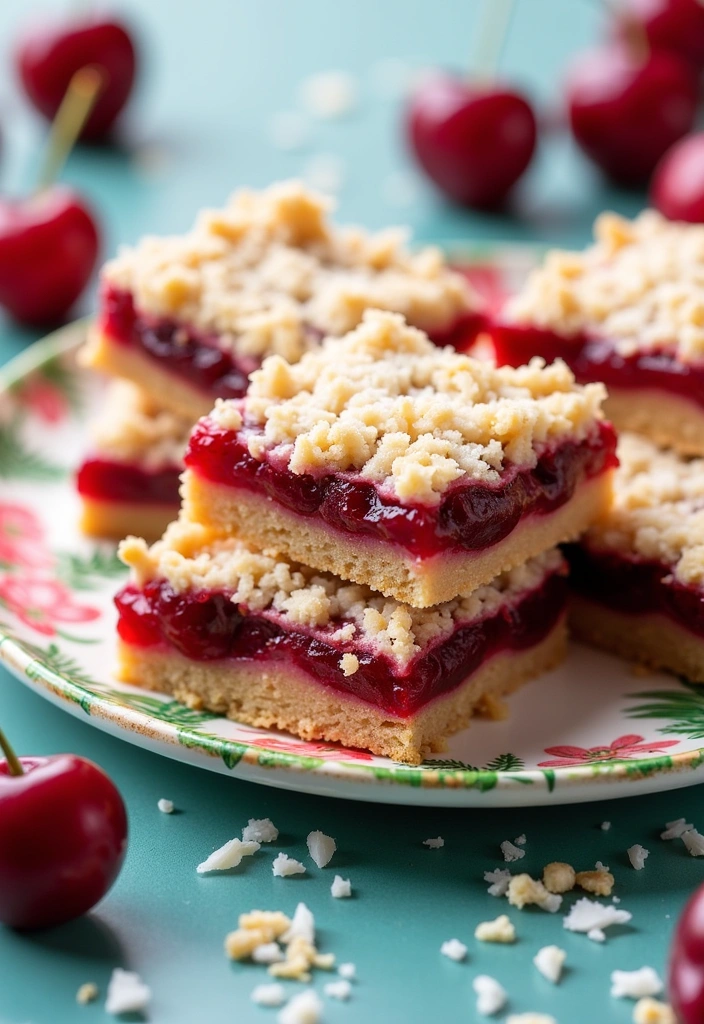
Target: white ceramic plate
{"x":592,"y":729}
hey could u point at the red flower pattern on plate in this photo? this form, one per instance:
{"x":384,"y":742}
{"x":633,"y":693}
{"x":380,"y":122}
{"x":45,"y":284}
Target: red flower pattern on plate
{"x":44,"y":399}
{"x":304,"y":749}
{"x":41,"y":603}
{"x":622,"y":747}
{"x":22,"y":538}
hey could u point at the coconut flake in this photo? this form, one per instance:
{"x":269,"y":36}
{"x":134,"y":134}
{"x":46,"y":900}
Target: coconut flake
{"x":302,"y":926}
{"x":694,"y":841}
{"x":588,"y":915}
{"x":637,"y":855}
{"x":550,"y":960}
{"x":338,"y":989}
{"x":500,"y":880}
{"x":675,"y":829}
{"x":127,"y":993}
{"x":520,"y":840}
{"x":348,"y":971}
{"x":273,"y":994}
{"x":635,"y":984}
{"x":434,"y":844}
{"x":499,"y":930}
{"x":321,"y":848}
{"x":304,"y":1008}
{"x":511,"y":852}
{"x":227,"y":856}
{"x":260,"y":830}
{"x":165,"y":806}
{"x":454,"y":949}
{"x":341,"y":887}
{"x":283,"y":866}
{"x":491,"y":996}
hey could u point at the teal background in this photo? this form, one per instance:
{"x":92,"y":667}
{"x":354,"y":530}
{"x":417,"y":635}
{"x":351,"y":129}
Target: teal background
{"x":214,"y":73}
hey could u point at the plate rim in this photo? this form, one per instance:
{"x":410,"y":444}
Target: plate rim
{"x":63,"y":343}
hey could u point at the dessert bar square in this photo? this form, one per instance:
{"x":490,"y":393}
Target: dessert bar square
{"x":628,"y":311}
{"x":638,"y":575}
{"x":274,"y":644}
{"x":188,"y":318}
{"x":129,"y":483}
{"x":418,"y":471}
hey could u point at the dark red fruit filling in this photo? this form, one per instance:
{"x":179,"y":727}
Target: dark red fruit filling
{"x":597,"y":359}
{"x":121,"y":481}
{"x":635,"y":586}
{"x":207,"y":626}
{"x":471,"y":516}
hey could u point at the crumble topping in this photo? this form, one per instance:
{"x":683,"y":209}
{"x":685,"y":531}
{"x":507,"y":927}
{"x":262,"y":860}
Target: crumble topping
{"x":652,"y":1011}
{"x":283,"y":866}
{"x":270,"y":273}
{"x":491,"y":996}
{"x":550,"y":960}
{"x":599,"y":882}
{"x":453,"y":949}
{"x":261,"y":929}
{"x":133,"y":428}
{"x":499,"y":930}
{"x":636,"y":984}
{"x":641,"y":285}
{"x":592,"y":917}
{"x":260,"y":830}
{"x":559,"y":877}
{"x":88,"y":992}
{"x":657,"y":511}
{"x":341,"y":888}
{"x":386,"y":404}
{"x":523,"y":890}
{"x":191,"y":558}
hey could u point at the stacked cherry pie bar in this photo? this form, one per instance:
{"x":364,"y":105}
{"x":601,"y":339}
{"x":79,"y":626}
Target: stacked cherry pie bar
{"x":187,"y":319}
{"x":366,"y":551}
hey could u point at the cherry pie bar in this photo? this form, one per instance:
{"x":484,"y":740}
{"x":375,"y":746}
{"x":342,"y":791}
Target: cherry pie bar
{"x":221,"y":626}
{"x":629,"y":311}
{"x":188,"y":318}
{"x":418,"y":471}
{"x":130,"y":481}
{"x":638,"y":575}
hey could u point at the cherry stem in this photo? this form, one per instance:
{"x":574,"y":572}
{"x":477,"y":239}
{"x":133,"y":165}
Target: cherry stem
{"x":75,"y":108}
{"x":491,"y":37}
{"x":10,"y":756}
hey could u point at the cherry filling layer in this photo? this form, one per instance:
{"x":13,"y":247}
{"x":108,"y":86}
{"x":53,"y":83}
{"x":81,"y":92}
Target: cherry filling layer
{"x":470,"y":516}
{"x":207,"y":626}
{"x":104,"y":480}
{"x":635,"y":586}
{"x":593,"y":359}
{"x":198,"y":357}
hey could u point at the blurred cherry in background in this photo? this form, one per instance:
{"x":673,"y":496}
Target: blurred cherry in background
{"x":673,"y":25}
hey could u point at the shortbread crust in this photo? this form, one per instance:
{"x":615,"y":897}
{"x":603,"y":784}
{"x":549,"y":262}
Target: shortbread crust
{"x":668,"y":420}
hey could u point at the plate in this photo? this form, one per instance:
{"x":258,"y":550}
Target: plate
{"x":592,"y":729}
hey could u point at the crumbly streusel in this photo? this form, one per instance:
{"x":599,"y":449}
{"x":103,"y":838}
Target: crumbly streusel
{"x":640,"y":285}
{"x":385,"y":403}
{"x":270,"y":266}
{"x":190,"y":558}
{"x":658,"y":509}
{"x":132,"y":428}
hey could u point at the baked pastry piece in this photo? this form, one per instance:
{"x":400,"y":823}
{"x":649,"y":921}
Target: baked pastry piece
{"x":629,"y":311}
{"x":418,"y":471}
{"x":276,"y":645}
{"x":130,"y":481}
{"x":189,"y":317}
{"x":638,"y":576}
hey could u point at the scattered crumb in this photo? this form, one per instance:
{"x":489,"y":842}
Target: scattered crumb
{"x":434,"y":844}
{"x":550,"y":960}
{"x":267,"y":953}
{"x":499,"y":930}
{"x":637,"y":855}
{"x":635,"y":984}
{"x":302,"y":925}
{"x":599,"y":882}
{"x":551,"y":903}
{"x":338,"y":989}
{"x":272,"y":994}
{"x":694,"y":841}
{"x":616,"y":899}
{"x":341,"y":887}
{"x":675,"y":829}
{"x":289,"y":130}
{"x":321,"y":848}
{"x":260,"y":830}
{"x":605,"y":826}
{"x":303,"y":1008}
{"x":491,"y":996}
{"x":165,"y":806}
{"x":596,"y":935}
{"x":227,"y":856}
{"x":283,"y":866}
{"x":587,"y":915}
{"x":127,"y":993}
{"x":601,"y":867}
{"x":652,"y":1011}
{"x":454,"y":949}
{"x":348,"y":971}
{"x":520,"y":840}
{"x":530,"y":1018}
{"x":87,"y":993}
{"x":511,"y":852}
{"x":255,"y":930}
{"x":329,"y":94}
{"x":500,"y":879}
{"x":349,"y":663}
{"x":559,"y":877}
{"x":523,"y":890}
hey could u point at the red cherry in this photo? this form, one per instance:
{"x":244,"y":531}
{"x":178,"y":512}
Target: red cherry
{"x":49,"y":245}
{"x":63,"y":836}
{"x":626,"y":111}
{"x":674,"y":25}
{"x":474,"y":141}
{"x":677,"y":188}
{"x":48,"y":55}
{"x":686,"y":981}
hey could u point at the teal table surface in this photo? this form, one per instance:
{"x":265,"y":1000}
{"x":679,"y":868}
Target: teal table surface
{"x":215,"y":72}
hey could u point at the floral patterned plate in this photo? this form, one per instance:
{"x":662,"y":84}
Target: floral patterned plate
{"x":589,"y":730}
